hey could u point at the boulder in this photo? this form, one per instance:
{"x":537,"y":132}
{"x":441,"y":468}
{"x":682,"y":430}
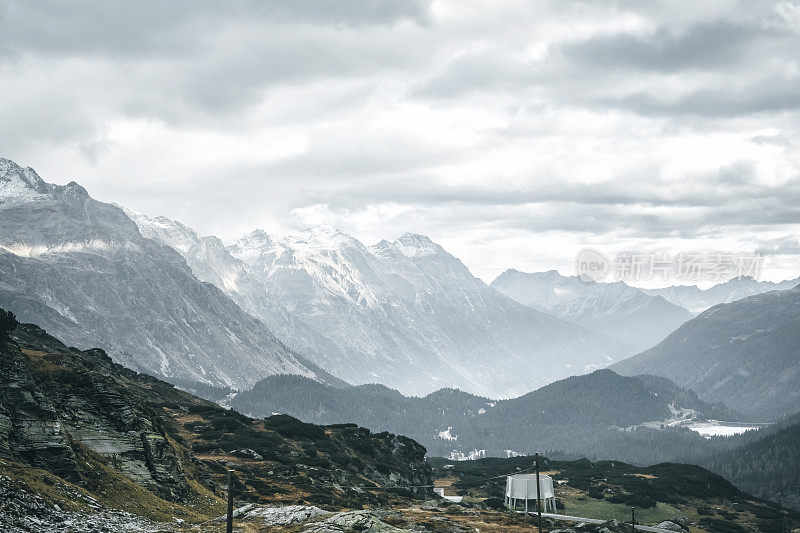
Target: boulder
{"x":671,"y":526}
{"x":360,"y":521}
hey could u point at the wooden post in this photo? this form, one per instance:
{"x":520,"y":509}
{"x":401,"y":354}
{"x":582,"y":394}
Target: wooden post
{"x":633,"y":520}
{"x":538,"y":494}
{"x":230,"y":501}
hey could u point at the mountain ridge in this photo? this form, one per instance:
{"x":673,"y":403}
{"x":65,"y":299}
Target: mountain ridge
{"x":616,"y":309}
{"x":82,"y":269}
{"x":744,"y":353}
{"x":402,"y":312}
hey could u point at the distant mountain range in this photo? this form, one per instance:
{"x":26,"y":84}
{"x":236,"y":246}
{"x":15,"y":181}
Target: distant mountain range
{"x":81,"y":269}
{"x":594,"y":412}
{"x":698,"y":300}
{"x":745,"y":354}
{"x":404,"y":313}
{"x":615,"y":309}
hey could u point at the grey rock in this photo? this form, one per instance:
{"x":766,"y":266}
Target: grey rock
{"x":360,"y":521}
{"x":283,"y":515}
{"x":672,"y":526}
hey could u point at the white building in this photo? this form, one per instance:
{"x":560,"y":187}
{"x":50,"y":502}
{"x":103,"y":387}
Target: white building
{"x":454,"y":499}
{"x":522,"y":487}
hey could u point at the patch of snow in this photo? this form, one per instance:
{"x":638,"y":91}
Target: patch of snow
{"x":445,"y":435}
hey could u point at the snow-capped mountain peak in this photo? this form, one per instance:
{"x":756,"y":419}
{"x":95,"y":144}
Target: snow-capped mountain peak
{"x":82,"y":269}
{"x":410,"y":245}
{"x":320,"y":237}
{"x":164,"y":230}
{"x":415,"y":245}
{"x":19,"y":185}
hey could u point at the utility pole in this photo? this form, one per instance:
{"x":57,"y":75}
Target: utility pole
{"x":633,"y":520}
{"x":538,"y":494}
{"x":230,"y":501}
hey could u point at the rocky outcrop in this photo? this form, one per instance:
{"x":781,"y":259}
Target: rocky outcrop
{"x":361,"y":521}
{"x":316,"y":519}
{"x":30,"y":427}
{"x":22,"y":510}
{"x":81,"y":416}
{"x":55,"y":403}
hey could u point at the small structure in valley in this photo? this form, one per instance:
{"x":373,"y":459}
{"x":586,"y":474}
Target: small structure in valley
{"x":521,"y":488}
{"x":454,"y":499}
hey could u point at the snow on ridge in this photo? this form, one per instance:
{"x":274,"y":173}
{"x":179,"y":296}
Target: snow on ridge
{"x":19,"y":186}
{"x":95,"y":245}
{"x":446,"y":435}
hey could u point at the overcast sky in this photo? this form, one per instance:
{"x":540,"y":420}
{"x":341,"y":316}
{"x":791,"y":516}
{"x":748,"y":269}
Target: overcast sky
{"x":512,"y":133}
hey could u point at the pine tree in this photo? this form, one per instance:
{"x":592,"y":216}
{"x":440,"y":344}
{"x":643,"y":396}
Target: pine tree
{"x":8,"y":322}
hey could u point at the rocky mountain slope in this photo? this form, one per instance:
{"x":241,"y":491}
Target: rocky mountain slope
{"x":410,"y":315}
{"x":81,"y":268}
{"x":405,"y":313}
{"x":614,"y":309}
{"x":698,"y":300}
{"x":745,"y":354}
{"x":89,"y":434}
{"x":578,"y":415}
{"x":211,"y":262}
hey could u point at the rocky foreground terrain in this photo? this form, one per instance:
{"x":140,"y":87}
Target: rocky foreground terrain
{"x":81,"y":434}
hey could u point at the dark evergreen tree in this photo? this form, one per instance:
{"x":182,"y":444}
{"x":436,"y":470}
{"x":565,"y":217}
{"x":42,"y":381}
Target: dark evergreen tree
{"x":8,"y":323}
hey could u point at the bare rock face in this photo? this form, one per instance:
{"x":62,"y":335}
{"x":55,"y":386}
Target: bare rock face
{"x":30,"y":428}
{"x":42,"y":419}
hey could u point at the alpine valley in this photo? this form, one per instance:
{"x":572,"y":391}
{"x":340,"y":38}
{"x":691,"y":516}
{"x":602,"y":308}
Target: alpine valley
{"x":332,"y":349}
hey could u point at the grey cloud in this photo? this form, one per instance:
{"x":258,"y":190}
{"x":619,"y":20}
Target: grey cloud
{"x":123,"y":29}
{"x":711,"y":45}
{"x":777,"y":140}
{"x":321,"y":71}
{"x":727,"y":69}
{"x":789,"y":245}
{"x":770,"y":96}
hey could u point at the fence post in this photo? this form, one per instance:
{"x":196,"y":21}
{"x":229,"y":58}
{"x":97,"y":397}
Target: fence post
{"x":230,"y":501}
{"x":538,"y":494}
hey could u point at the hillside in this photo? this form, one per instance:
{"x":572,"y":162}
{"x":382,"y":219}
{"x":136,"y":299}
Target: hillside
{"x":768,"y":466}
{"x":688,"y":495}
{"x":745,"y":354}
{"x":81,"y":269}
{"x":117,"y":439}
{"x":616,"y":309}
{"x":575,"y":415}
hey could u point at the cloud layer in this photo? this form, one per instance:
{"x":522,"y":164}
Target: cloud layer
{"x":514,"y":133}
